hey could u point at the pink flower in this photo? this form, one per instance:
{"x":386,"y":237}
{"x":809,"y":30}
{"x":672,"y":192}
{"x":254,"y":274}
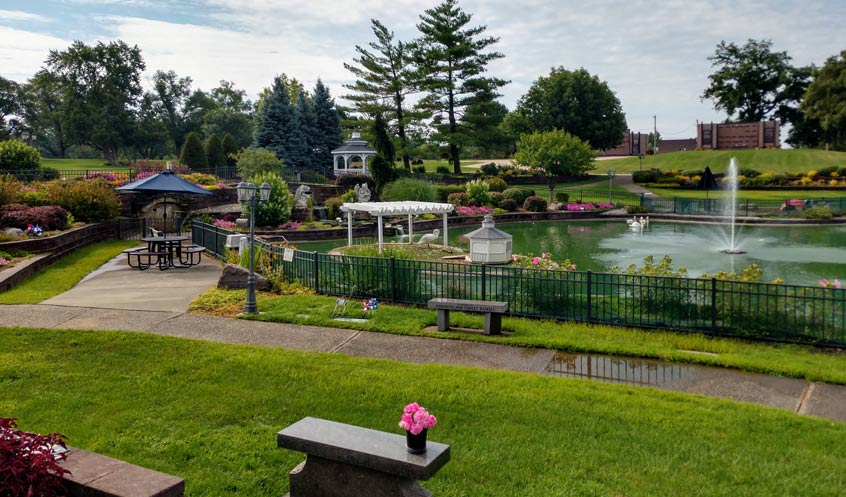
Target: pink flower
{"x":515,"y":257}
{"x":536,"y":261}
{"x":415,"y":419}
{"x":544,"y":255}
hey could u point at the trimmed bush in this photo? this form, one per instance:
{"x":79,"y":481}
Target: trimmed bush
{"x":230,"y":150}
{"x":10,"y":189}
{"x":518,"y":195}
{"x":90,"y":201}
{"x":648,"y":176}
{"x":215,"y":155}
{"x":817,"y":213}
{"x":496,"y":184}
{"x":409,"y":189}
{"x":562,"y":197}
{"x":193,"y":152}
{"x":824,"y":172}
{"x":744,"y":171}
{"x":16,"y":155}
{"x":419,"y":169}
{"x":494,"y":198}
{"x":489,"y":169}
{"x":507,"y":204}
{"x":277,"y":210}
{"x":535,"y":204}
{"x":254,"y":161}
{"x":477,"y":190}
{"x":350,"y":180}
{"x":636,"y":209}
{"x":333,"y":207}
{"x":49,"y":217}
{"x":445,"y":190}
{"x":442,"y":170}
{"x":49,"y":174}
{"x":459,"y":198}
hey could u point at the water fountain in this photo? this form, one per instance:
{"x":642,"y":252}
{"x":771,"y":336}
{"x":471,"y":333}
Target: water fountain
{"x":731,"y":210}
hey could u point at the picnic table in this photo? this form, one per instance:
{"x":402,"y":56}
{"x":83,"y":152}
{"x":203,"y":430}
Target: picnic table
{"x":165,"y":252}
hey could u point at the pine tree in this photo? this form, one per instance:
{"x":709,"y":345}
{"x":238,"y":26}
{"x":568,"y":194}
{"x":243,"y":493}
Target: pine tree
{"x":452,"y":64}
{"x":382,"y":141}
{"x":230,"y":150}
{"x":214,"y":154}
{"x":386,"y":77}
{"x":278,"y":128}
{"x":381,"y":170}
{"x":193,"y":153}
{"x":305,"y":111}
{"x":327,"y":125}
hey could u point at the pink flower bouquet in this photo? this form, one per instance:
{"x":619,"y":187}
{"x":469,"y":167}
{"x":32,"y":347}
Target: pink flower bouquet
{"x":415,"y":418}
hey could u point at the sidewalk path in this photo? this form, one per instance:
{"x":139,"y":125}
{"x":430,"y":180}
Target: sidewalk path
{"x":118,"y":298}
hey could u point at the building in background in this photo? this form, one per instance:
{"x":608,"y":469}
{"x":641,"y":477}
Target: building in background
{"x":633,"y":144}
{"x":762,"y":134}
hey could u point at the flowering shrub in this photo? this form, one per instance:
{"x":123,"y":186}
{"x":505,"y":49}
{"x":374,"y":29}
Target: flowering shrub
{"x":534,"y":204}
{"x":415,"y":418}
{"x":89,"y":201}
{"x":830,"y":284}
{"x":604,"y":205}
{"x":458,"y":198}
{"x":21,"y":216}
{"x":10,"y":189}
{"x":4,"y":261}
{"x":508,"y":204}
{"x":291,"y":225}
{"x":200,"y":179}
{"x":469,"y":210}
{"x":28,"y":465}
{"x":543,"y":262}
{"x":580,"y":207}
{"x":518,"y":195}
{"x":222,"y":223}
{"x":153,"y":167}
{"x":106,"y":175}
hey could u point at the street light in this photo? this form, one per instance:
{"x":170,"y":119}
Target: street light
{"x":247,"y":193}
{"x":640,"y":156}
{"x":611,"y":174}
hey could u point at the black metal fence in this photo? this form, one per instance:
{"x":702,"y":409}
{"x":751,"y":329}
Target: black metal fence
{"x":116,"y":176}
{"x":137,"y":228}
{"x":759,"y":311}
{"x":715,"y":207}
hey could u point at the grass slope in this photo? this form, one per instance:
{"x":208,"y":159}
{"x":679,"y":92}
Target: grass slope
{"x":64,"y":274}
{"x":210,"y":412}
{"x":749,"y":194}
{"x":786,"y":360}
{"x":787,"y":160}
{"x":78,"y":164}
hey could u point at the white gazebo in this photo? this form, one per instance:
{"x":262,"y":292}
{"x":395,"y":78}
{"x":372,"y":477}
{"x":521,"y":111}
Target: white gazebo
{"x":407,"y":208}
{"x":344,"y":157}
{"x":489,"y":245}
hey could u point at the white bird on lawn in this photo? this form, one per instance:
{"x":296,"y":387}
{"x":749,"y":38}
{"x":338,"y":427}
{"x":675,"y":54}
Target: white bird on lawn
{"x":431,"y":237}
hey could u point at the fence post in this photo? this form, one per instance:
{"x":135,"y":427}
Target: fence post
{"x":393,"y":279}
{"x":713,"y":306}
{"x":747,"y":208}
{"x":674,"y":204}
{"x":216,"y":242}
{"x":316,"y":269}
{"x":484,"y":283}
{"x":589,"y":291}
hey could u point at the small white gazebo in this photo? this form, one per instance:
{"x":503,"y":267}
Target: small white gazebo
{"x":406,"y":208}
{"x":345,"y":156}
{"x":489,"y":245}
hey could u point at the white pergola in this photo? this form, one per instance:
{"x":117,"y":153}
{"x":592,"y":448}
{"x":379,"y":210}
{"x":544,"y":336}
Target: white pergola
{"x":405,"y":208}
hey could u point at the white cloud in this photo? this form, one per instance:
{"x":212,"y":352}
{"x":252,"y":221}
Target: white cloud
{"x":18,"y":15}
{"x":23,"y":52}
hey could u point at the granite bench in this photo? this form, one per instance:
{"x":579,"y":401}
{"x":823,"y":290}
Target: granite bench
{"x":493,"y":312}
{"x":350,"y":461}
{"x":96,"y":475}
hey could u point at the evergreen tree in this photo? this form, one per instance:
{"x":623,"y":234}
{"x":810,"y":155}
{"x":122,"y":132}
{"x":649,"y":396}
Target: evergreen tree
{"x":278,"y":128}
{"x":327,"y":125}
{"x":382,"y":141}
{"x":452,"y":64}
{"x":386,"y":77}
{"x":230,"y":150}
{"x":381,"y":170}
{"x":193,"y":154}
{"x":305,"y":112}
{"x":214,"y":154}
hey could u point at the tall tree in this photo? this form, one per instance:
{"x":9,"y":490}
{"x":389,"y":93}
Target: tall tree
{"x":308,"y":130}
{"x":327,"y":124}
{"x":150,"y":137}
{"x":451,"y":59}
{"x":230,"y":150}
{"x":193,"y":152}
{"x":222,"y":121}
{"x":197,"y":107}
{"x":230,"y":98}
{"x":10,"y":108}
{"x":573,"y":101}
{"x":214,"y":154}
{"x":102,"y":85}
{"x":483,"y":118}
{"x":278,"y":127}
{"x":382,"y":141}
{"x":386,"y":76}
{"x":556,"y":152}
{"x":172,"y":94}
{"x":752,"y":83}
{"x":825,"y":100}
{"x":41,"y":101}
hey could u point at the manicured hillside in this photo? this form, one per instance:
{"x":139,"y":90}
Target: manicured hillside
{"x":762,"y":160}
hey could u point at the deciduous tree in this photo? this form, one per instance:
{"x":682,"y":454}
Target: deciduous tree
{"x":825,"y":100}
{"x":556,"y":152}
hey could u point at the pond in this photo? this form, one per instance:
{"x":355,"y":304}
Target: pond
{"x":800,"y":255}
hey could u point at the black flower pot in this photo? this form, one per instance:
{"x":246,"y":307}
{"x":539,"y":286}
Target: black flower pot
{"x":416,"y":443}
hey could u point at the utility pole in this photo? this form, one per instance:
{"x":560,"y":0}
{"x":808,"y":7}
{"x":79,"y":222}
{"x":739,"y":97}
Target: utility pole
{"x":654,"y":135}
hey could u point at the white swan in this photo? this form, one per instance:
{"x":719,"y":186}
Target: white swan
{"x":431,"y":237}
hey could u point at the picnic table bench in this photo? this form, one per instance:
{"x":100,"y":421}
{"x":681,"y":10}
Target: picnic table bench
{"x":164,"y":257}
{"x":493,"y":312}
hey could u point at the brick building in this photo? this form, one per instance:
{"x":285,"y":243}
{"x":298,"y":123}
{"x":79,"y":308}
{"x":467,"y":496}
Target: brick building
{"x":763,"y":134}
{"x":633,"y":144}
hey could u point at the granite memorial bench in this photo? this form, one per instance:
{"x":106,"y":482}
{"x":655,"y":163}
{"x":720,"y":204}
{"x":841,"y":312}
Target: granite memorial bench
{"x":350,"y":461}
{"x":493,"y":312}
{"x":96,"y":475}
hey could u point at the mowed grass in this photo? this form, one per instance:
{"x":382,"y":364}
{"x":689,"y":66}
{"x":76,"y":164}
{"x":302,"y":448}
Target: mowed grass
{"x":209,"y":413}
{"x":79,"y":164}
{"x":64,"y":274}
{"x":781,"y":194}
{"x":785,"y":160}
{"x":779,"y":359}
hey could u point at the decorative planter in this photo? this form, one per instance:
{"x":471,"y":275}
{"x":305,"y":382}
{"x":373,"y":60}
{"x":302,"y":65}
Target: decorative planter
{"x":416,"y":443}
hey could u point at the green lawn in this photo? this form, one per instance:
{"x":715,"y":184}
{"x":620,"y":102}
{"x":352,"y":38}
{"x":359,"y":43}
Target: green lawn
{"x":787,"y":160}
{"x":787,"y":360}
{"x":78,"y":164}
{"x":749,"y":194}
{"x":209,"y":413}
{"x":64,"y":274}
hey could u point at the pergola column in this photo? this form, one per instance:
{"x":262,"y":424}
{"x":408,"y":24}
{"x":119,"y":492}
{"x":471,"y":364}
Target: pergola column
{"x":446,"y":242}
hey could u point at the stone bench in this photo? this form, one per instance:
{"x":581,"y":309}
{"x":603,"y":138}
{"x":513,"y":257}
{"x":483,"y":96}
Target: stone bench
{"x":96,"y":475}
{"x":350,"y":461}
{"x":493,"y":312}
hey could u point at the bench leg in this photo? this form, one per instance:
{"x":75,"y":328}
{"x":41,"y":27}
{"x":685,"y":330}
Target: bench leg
{"x":443,"y":320}
{"x":493,"y":323}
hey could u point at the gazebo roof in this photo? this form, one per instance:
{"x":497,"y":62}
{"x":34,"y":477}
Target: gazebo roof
{"x":355,"y":145}
{"x":398,"y":208}
{"x":488,"y":232}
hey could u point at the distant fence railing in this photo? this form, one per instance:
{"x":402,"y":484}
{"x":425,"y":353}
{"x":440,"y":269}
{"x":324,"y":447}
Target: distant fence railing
{"x":715,"y":207}
{"x":117,"y":176}
{"x":759,"y":311}
{"x":138,"y":228}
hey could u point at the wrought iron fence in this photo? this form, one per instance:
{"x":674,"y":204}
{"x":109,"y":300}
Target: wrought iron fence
{"x":759,"y":311}
{"x":116,"y":176}
{"x":137,"y":228}
{"x":715,"y":207}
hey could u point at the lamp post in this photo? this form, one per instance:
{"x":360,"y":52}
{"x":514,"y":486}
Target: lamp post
{"x":611,"y":174}
{"x":247,"y":193}
{"x":640,"y":156}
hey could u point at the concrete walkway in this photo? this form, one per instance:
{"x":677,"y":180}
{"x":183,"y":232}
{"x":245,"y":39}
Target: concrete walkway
{"x":119,"y":298}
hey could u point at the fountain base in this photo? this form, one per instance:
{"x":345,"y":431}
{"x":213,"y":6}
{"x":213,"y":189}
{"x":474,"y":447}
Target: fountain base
{"x":733,"y":251}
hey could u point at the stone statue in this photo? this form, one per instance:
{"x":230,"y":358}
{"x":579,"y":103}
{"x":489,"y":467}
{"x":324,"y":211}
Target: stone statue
{"x":301,"y":197}
{"x":362,"y":192}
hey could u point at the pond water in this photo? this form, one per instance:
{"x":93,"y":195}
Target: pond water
{"x":800,"y":255}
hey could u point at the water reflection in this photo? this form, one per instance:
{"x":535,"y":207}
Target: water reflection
{"x":618,"y":370}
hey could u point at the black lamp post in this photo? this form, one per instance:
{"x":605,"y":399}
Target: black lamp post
{"x":247,"y":194}
{"x":640,"y":156}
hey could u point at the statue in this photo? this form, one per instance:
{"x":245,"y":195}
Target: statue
{"x":301,"y":197}
{"x":362,"y":192}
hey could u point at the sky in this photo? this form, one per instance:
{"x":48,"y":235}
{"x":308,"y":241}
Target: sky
{"x":652,"y":54}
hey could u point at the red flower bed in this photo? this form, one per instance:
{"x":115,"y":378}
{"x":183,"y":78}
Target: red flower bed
{"x":49,"y":217}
